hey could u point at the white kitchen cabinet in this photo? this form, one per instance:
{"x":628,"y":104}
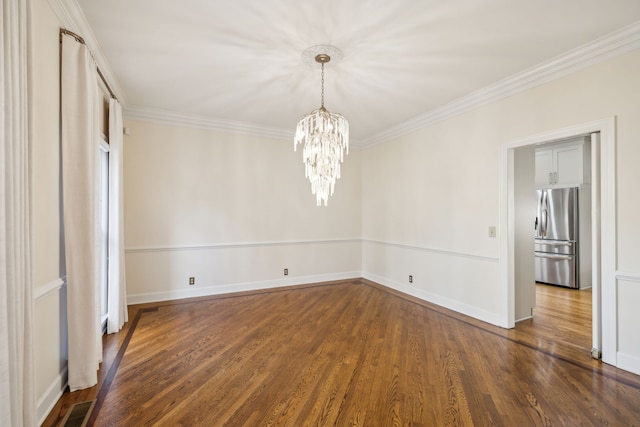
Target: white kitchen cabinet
{"x":563,"y":165}
{"x":544,"y":167}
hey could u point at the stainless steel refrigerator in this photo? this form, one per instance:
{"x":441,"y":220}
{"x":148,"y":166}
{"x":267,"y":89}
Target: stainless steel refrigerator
{"x":557,"y":254}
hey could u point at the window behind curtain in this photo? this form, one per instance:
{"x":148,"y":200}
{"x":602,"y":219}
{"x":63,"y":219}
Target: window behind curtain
{"x":103,"y":208}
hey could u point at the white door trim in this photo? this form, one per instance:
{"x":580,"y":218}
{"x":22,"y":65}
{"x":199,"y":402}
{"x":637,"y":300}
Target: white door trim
{"x":604,"y":289}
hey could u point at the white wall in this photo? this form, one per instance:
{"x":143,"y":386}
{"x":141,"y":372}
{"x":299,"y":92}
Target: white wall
{"x":232,"y":211}
{"x":50,"y":326}
{"x":434,"y":192}
{"x":428,"y":200}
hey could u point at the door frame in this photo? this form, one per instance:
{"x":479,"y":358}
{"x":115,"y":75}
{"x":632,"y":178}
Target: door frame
{"x":603,"y":162}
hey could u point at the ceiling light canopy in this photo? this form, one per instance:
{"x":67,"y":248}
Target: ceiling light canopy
{"x":323,"y":135}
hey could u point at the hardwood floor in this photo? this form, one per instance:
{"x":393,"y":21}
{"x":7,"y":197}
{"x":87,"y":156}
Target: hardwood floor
{"x":354,"y":353}
{"x":561,"y":322}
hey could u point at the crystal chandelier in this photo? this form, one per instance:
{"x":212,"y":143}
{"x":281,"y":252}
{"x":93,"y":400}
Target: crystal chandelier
{"x":324,"y":136}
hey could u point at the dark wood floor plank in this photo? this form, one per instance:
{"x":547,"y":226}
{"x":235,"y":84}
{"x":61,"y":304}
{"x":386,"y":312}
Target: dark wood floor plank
{"x":355,"y":353}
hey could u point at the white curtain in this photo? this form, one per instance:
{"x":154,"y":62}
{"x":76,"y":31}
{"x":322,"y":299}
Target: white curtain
{"x":17,"y":394}
{"x":117,"y":301}
{"x":79,"y":137}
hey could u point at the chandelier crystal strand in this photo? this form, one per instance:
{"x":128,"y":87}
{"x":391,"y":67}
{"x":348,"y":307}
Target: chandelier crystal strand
{"x":324,"y":137}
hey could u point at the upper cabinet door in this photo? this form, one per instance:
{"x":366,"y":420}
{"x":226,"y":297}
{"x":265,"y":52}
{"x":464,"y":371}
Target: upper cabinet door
{"x":544,"y":168}
{"x":563,"y":165}
{"x":569,"y":165}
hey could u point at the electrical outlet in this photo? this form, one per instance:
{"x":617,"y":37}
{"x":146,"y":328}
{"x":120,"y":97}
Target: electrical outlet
{"x":192,"y":280}
{"x":410,"y":279}
{"x":492,"y":232}
{"x":286,"y":271}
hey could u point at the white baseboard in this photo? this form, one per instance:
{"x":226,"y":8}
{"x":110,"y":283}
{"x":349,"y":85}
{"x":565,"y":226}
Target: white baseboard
{"x":483,"y":315}
{"x":237,"y":287}
{"x":628,"y":362}
{"x":54,"y":392}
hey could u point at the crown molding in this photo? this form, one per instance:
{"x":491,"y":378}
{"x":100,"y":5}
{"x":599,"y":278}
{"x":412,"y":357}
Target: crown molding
{"x":223,"y":125}
{"x":164,"y":117}
{"x":613,"y":44}
{"x":72,"y":18}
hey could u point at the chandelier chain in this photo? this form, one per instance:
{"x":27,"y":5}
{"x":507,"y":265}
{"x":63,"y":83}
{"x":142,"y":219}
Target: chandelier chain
{"x":322,"y":86}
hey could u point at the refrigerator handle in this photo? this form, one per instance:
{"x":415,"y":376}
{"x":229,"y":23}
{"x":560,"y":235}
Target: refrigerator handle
{"x":545,"y":213}
{"x":539,"y":216}
{"x":556,"y":257}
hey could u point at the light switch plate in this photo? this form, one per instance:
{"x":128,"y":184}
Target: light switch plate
{"x":492,"y":232}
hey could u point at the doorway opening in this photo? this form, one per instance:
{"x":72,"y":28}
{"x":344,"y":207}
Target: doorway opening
{"x":603,"y":230}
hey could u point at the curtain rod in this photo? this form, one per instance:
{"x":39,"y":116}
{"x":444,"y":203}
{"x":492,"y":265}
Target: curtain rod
{"x":81,"y":40}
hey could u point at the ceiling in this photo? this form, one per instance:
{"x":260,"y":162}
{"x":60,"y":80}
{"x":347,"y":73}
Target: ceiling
{"x":241,"y":61}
